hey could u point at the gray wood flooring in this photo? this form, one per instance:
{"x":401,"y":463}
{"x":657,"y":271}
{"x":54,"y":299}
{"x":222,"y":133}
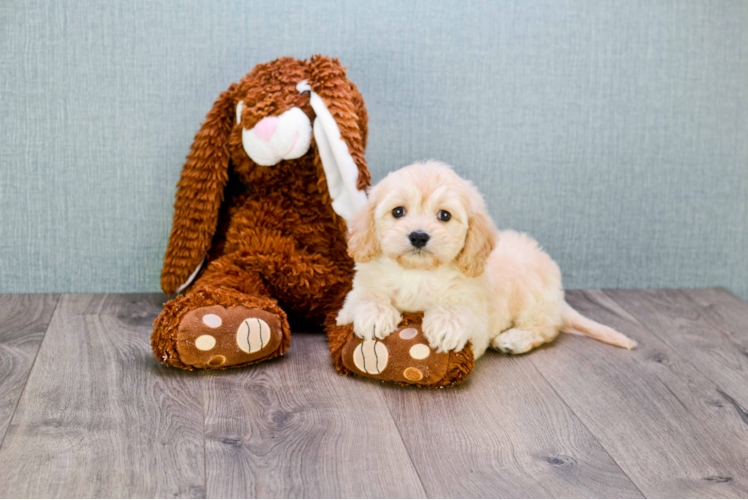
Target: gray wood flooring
{"x":87,"y":411}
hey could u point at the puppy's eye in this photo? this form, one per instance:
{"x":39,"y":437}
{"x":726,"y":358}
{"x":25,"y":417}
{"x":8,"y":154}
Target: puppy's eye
{"x":398,"y":212}
{"x":444,"y":216}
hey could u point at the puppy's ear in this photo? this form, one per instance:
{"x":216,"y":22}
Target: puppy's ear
{"x":479,"y":243}
{"x":363,"y":244}
{"x":199,"y":194}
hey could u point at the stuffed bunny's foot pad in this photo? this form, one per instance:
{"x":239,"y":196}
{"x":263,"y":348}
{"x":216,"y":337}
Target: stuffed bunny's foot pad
{"x":404,"y":357}
{"x":219,"y":337}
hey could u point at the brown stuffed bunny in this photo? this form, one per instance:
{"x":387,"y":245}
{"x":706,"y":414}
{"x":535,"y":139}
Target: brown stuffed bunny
{"x":276,"y":243}
{"x":280,"y":245}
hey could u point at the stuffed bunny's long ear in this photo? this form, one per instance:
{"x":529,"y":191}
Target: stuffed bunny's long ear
{"x":341,"y":171}
{"x":199,"y":196}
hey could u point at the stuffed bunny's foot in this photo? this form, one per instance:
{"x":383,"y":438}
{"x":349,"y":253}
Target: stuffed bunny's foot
{"x":404,"y":357}
{"x":219,"y":337}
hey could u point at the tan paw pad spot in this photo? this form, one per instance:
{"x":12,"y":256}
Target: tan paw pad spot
{"x":420,"y":351}
{"x":413,"y":374}
{"x":205,"y":342}
{"x":252,"y":335}
{"x":212,"y":320}
{"x":217,"y":360}
{"x":371,"y":357}
{"x":408,"y":333}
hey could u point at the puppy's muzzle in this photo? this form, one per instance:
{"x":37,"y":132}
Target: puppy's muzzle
{"x":418,"y":239}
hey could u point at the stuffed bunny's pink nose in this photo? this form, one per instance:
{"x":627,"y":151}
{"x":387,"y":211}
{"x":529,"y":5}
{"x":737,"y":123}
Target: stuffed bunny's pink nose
{"x":266,"y":127}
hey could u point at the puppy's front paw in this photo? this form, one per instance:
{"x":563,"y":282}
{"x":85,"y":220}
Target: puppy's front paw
{"x":375,"y":320}
{"x":445,"y":330}
{"x":346,"y":314}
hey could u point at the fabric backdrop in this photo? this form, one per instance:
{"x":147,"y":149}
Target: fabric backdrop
{"x":614,"y":132}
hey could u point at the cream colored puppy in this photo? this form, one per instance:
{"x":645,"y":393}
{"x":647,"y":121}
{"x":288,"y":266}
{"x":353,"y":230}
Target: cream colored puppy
{"x":425,"y":242}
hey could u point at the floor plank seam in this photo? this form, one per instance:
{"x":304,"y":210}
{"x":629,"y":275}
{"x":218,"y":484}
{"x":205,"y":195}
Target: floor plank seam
{"x":587,"y":428}
{"x":203,"y":375}
{"x":405,"y":446}
{"x":711,"y":322}
{"x":31,"y":370}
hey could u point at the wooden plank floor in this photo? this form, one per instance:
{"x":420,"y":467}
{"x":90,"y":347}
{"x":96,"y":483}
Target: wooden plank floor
{"x":87,"y":411}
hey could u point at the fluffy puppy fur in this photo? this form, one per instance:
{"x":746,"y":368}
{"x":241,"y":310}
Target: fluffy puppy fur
{"x":473,"y":282}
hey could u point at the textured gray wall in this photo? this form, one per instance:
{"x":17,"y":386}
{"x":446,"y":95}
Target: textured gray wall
{"x":616,"y":132}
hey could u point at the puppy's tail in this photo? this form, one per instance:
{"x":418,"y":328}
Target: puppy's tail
{"x":577,"y":324}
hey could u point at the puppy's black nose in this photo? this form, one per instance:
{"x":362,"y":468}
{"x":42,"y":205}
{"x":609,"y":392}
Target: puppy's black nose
{"x":418,"y":239}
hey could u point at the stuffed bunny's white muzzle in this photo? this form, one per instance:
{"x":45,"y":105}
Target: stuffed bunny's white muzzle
{"x":275,"y":138}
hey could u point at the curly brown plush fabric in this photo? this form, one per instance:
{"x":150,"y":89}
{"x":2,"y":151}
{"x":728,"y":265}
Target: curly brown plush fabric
{"x":277,"y":245}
